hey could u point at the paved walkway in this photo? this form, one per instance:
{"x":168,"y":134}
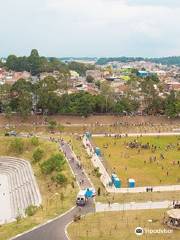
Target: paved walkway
{"x":104,"y":207}
{"x":139,"y":134}
{"x":55,"y":229}
{"x":165,"y":188}
{"x":81,"y":177}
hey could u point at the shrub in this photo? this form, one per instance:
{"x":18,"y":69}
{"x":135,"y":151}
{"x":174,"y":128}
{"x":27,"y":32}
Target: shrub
{"x":52,"y":125}
{"x":89,"y":79}
{"x":96,"y":172}
{"x":31,"y":210}
{"x":57,"y":161}
{"x":17,"y":146}
{"x":46,"y":167}
{"x":60,"y":127}
{"x":35,"y":141}
{"x":38,"y":154}
{"x":18,"y":218}
{"x":60,"y":179}
{"x":54,"y":163}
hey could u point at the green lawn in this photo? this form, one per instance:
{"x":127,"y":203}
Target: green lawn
{"x":120,"y":226}
{"x":105,"y":197}
{"x":53,"y":204}
{"x":131,"y":163}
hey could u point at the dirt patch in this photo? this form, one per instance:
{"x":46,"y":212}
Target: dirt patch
{"x":101,"y":119}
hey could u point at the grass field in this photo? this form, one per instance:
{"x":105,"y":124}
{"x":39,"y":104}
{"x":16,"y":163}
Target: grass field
{"x":53,"y":204}
{"x":146,"y":166}
{"x":105,"y":197}
{"x":121,"y":226}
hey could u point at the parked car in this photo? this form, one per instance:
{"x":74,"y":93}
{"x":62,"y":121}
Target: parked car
{"x":11,"y":133}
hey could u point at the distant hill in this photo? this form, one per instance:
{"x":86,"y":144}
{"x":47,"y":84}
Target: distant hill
{"x":163,"y":60}
{"x":78,"y":59}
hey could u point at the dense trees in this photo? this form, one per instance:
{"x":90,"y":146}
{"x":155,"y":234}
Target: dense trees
{"x":35,"y":64}
{"x":45,"y":96}
{"x":89,"y":79}
{"x":1,"y":63}
{"x":21,"y":97}
{"x":38,"y":154}
{"x":54,"y":163}
{"x":80,"y":68}
{"x":172,"y":104}
{"x":164,"y":60}
{"x":24,"y":97}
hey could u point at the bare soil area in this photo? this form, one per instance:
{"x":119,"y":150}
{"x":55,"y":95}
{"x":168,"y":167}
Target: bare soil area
{"x":100,"y":119}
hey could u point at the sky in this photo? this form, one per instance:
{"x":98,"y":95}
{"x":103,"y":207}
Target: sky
{"x":101,"y":28}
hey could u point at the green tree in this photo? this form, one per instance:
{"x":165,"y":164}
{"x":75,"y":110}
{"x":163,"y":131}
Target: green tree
{"x":108,"y":93}
{"x":89,"y":79}
{"x":1,"y":64}
{"x":47,"y":167}
{"x":11,"y":62}
{"x":21,"y":100}
{"x":54,"y":163}
{"x":172,"y":104}
{"x":35,"y":141}
{"x":52,"y":125}
{"x":47,"y":97}
{"x":100,"y":104}
{"x":38,"y":154}
{"x":34,"y":62}
{"x":31,"y":210}
{"x":17,"y":146}
{"x":60,"y":179}
{"x":80,"y":68}
{"x":25,"y":104}
{"x":8,"y":112}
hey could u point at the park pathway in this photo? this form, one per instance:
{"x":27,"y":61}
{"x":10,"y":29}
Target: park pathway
{"x":139,"y":134}
{"x":81,"y":177}
{"x":56,"y":229}
{"x":104,"y":207}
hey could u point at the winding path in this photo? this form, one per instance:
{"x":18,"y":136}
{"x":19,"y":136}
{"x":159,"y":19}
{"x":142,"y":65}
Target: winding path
{"x":56,"y":229}
{"x":104,"y":207}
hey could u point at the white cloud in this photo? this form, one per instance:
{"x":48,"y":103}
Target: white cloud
{"x":91,"y":27}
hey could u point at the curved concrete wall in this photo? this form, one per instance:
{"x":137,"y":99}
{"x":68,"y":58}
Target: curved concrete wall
{"x":18,"y":188}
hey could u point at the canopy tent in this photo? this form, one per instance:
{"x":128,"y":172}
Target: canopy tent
{"x":173,"y":219}
{"x":174,"y":213}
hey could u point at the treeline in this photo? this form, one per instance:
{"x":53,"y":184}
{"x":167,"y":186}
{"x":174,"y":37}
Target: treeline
{"x":24,"y":98}
{"x":103,"y":61}
{"x":175,"y":60}
{"x":166,"y":60}
{"x":36,"y":64}
{"x":43,"y":97}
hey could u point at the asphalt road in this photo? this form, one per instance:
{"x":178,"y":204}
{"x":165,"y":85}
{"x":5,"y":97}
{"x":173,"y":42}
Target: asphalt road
{"x":55,"y":230}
